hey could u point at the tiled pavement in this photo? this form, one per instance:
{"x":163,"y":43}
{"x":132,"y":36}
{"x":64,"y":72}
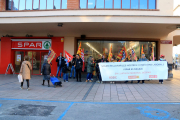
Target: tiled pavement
{"x":76,"y":91}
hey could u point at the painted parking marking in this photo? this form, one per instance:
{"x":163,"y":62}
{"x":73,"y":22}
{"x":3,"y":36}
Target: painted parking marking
{"x":64,"y":113}
{"x":0,"y":105}
{"x":155,"y":113}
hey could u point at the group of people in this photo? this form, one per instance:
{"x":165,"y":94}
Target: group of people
{"x":63,"y":66}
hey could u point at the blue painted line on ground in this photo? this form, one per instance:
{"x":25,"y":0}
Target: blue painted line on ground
{"x":0,"y":105}
{"x":176,"y":103}
{"x":64,"y":113}
{"x":87,"y":93}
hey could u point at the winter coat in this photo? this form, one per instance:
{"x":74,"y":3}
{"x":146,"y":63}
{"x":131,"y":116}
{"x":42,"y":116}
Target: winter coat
{"x":46,"y":68}
{"x":25,"y":70}
{"x":97,"y":68}
{"x":62,"y":60}
{"x":73,"y":61}
{"x":65,"y":66}
{"x":79,"y":64}
{"x":143,"y":59}
{"x":90,"y":65}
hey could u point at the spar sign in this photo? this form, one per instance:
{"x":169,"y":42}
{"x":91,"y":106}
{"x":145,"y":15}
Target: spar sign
{"x":41,"y":44}
{"x":121,"y":71}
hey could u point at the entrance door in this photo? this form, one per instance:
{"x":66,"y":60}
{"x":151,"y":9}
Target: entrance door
{"x":36,"y":59}
{"x":19,"y":58}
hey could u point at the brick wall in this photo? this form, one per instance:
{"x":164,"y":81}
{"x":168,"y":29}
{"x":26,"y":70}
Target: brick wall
{"x":73,"y":4}
{"x":2,"y":5}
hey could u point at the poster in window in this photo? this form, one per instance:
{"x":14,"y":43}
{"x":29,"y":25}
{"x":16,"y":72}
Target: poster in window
{"x":18,"y":57}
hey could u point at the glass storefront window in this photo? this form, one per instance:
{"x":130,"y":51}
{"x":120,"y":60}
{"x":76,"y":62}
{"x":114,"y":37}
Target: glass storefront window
{"x":125,"y":4}
{"x":108,"y":4}
{"x":49,"y":4}
{"x":134,"y":4}
{"x":15,"y":4}
{"x":42,"y":4}
{"x":98,"y":48}
{"x":57,"y":4}
{"x":91,"y":4}
{"x":100,"y":4}
{"x":64,"y":4}
{"x":22,"y":5}
{"x":143,"y":4}
{"x":35,"y":4}
{"x":28,"y":4}
{"x":117,"y":4}
{"x":152,"y":4}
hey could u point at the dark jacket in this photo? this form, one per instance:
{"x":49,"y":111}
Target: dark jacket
{"x":73,"y":61}
{"x":103,"y":60}
{"x":46,"y":68}
{"x":79,"y":64}
{"x":97,"y":68}
{"x":65,"y":68}
{"x":62,"y":60}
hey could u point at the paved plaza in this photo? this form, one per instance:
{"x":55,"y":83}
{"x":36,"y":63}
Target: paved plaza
{"x":87,"y":101}
{"x":151,"y":91}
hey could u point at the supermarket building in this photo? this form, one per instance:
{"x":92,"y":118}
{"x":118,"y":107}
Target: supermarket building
{"x":29,"y":27}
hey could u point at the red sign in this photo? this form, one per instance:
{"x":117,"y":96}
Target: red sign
{"x":152,"y":76}
{"x":166,"y":41}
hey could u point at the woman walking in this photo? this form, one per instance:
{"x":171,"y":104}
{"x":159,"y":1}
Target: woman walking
{"x":25,"y":71}
{"x":90,"y":67}
{"x":46,"y":71}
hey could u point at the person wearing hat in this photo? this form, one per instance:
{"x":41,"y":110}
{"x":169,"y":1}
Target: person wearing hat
{"x":162,"y":58}
{"x":142,"y":59}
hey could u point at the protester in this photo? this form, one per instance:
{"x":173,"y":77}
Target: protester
{"x":142,"y":59}
{"x":59,"y":61}
{"x":131,"y":60}
{"x":65,"y":70}
{"x":46,"y":71}
{"x":162,"y":58}
{"x":78,"y":65}
{"x":113,"y":60}
{"x":90,"y":67}
{"x":73,"y":68}
{"x":103,"y":59}
{"x":97,"y":71}
{"x":25,"y":71}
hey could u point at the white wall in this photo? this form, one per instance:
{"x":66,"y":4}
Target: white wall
{"x":176,"y":3}
{"x":69,"y":45}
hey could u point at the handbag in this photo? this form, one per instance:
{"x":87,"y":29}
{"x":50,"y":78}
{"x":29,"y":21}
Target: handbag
{"x":20,"y":78}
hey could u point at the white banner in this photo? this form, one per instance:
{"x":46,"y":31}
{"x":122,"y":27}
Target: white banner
{"x":121,"y":71}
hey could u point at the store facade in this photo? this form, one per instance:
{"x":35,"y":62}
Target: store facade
{"x":14,"y":49}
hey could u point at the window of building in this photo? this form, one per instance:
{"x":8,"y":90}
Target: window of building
{"x":98,"y":48}
{"x":35,"y":4}
{"x":118,"y":4}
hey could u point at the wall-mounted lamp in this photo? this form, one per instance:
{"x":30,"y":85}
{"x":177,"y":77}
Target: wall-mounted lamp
{"x":178,"y":26}
{"x":48,"y":35}
{"x":60,"y":24}
{"x":29,"y":35}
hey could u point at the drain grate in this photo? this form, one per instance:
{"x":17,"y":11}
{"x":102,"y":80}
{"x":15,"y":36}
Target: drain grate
{"x":30,"y":110}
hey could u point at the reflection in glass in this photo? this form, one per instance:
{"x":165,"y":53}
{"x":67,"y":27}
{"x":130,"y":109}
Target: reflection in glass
{"x":19,"y":57}
{"x":64,"y":4}
{"x":42,"y":4}
{"x":108,"y":4}
{"x":91,"y":4}
{"x":36,"y":5}
{"x":49,"y":4}
{"x":134,"y":4}
{"x":28,"y":4}
{"x":117,"y":4}
{"x":143,"y":4}
{"x":9,"y":6}
{"x":125,"y":4}
{"x":15,"y":4}
{"x":57,"y":4}
{"x":22,"y":4}
{"x":152,"y":4}
{"x":100,"y":4}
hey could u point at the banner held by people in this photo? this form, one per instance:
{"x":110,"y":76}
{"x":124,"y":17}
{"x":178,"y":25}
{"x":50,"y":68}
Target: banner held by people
{"x":68,"y":56}
{"x":51,"y":55}
{"x":121,"y":71}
